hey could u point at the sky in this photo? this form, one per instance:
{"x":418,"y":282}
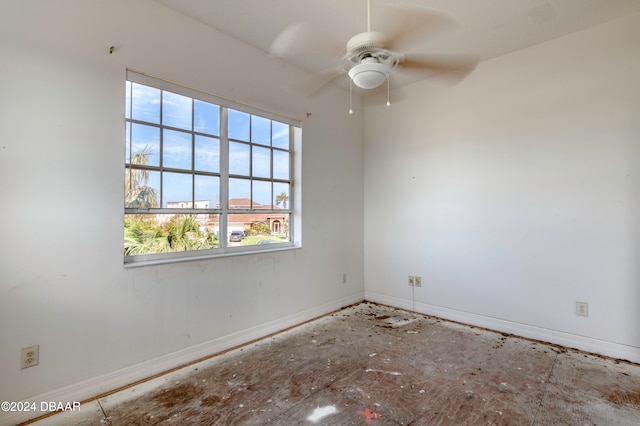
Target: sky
{"x":252,"y":139}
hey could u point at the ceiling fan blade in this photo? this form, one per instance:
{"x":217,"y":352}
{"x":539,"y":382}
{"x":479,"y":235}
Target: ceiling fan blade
{"x":302,"y":39}
{"x":312,"y":84}
{"x":403,"y":23}
{"x":452,"y":68}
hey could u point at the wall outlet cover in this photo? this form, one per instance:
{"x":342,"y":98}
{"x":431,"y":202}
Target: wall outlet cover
{"x":30,"y":357}
{"x":582,"y":309}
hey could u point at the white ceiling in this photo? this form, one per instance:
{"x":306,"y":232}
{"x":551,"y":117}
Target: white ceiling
{"x":484,"y":28}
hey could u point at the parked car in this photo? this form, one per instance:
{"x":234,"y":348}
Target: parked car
{"x":236,"y":236}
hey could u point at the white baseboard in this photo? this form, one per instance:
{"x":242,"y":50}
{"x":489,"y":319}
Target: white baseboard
{"x":587,"y":344}
{"x":100,"y":385}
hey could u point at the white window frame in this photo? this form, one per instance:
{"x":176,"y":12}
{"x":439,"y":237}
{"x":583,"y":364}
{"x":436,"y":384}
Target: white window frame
{"x":293,"y":210}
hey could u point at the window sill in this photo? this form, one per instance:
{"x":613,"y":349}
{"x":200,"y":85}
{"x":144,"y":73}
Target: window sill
{"x":154,"y":262}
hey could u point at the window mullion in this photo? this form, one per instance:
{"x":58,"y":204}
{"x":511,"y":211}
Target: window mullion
{"x":224,"y":177}
{"x":291,"y":182}
{"x":161,"y":153}
{"x":193,"y":155}
{"x":251,"y":161}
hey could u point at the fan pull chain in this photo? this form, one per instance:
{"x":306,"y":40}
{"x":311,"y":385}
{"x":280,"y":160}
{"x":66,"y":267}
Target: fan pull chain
{"x":350,"y":95}
{"x":388,"y":103}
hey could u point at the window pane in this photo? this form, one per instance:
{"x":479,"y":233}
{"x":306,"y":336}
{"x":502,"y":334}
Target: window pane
{"x":280,"y":165}
{"x":239,"y":158}
{"x":177,"y":190}
{"x":206,"y":118}
{"x":145,"y":145}
{"x":127,"y":106}
{"x":261,"y":194}
{"x":257,"y":229}
{"x":174,"y":162}
{"x":239,"y":125}
{"x":236,"y":229}
{"x":260,"y":130}
{"x":127,"y":139}
{"x":157,"y":233}
{"x":142,"y":188}
{"x":261,"y":166}
{"x":207,"y":154}
{"x":207,"y":192}
{"x":176,"y":110}
{"x":145,"y":103}
{"x":281,"y":195}
{"x":239,"y":193}
{"x":280,"y":135}
{"x":176,"y":149}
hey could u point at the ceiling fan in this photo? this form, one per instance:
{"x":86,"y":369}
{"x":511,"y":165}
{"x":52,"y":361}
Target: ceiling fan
{"x":372,"y":56}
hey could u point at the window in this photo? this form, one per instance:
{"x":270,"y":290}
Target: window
{"x":204,"y":176}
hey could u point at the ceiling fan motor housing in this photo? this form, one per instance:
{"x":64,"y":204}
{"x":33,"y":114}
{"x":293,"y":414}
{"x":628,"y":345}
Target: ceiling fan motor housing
{"x":364,"y":42}
{"x":372,"y":60}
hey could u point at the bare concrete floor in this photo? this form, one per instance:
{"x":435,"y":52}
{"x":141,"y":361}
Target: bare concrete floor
{"x":371,"y":364}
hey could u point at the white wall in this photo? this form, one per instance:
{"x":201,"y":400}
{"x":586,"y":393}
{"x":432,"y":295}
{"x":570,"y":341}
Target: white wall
{"x":516,"y":193}
{"x":62,"y":281}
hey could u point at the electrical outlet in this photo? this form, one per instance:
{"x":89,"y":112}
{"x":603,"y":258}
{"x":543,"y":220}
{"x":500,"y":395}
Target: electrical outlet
{"x":30,"y":356}
{"x":582,"y":309}
{"x":411,"y":280}
{"x":418,"y":281}
{"x":344,"y":278}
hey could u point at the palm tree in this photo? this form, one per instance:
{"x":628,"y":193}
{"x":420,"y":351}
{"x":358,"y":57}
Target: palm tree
{"x":143,"y":235}
{"x":183,"y":233}
{"x":282,"y":198}
{"x":138,"y":192}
